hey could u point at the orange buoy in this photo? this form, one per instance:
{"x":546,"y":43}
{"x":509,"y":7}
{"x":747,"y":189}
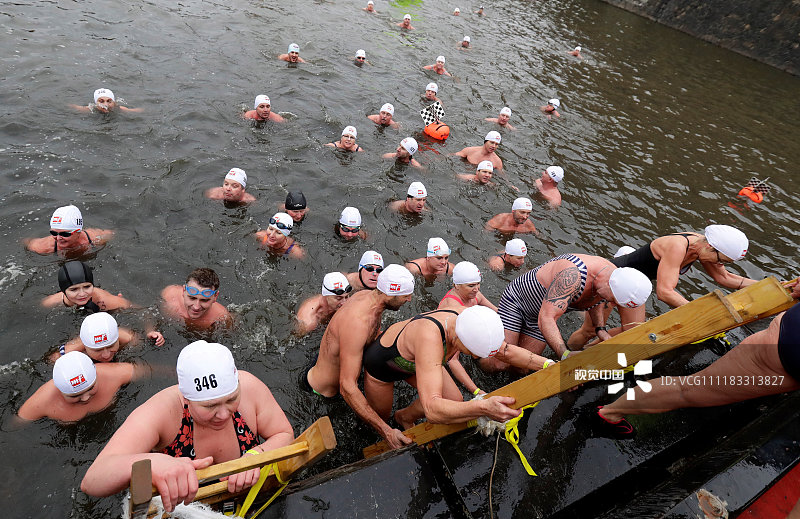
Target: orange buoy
{"x":752,"y":195}
{"x":438,"y":130}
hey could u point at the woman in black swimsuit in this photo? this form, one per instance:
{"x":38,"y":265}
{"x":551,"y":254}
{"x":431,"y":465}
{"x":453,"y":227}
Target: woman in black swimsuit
{"x":348,"y":140}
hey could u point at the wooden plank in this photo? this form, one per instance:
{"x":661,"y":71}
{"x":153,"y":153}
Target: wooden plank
{"x":704,"y":317}
{"x":141,"y":488}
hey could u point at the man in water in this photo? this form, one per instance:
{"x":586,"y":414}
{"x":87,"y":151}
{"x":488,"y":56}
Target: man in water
{"x":320,"y":308}
{"x":370,"y":7}
{"x":513,"y":256}
{"x":477,"y":154}
{"x":406,"y":23}
{"x":384,"y":117}
{"x":414,"y":202}
{"x":430,"y":92}
{"x":349,"y":224}
{"x":456,"y":11}
{"x":233,"y":188}
{"x":101,"y":338}
{"x":67,"y":235}
{"x":575,"y":52}
{"x":405,"y":153}
{"x":369,"y":268}
{"x":196,"y":301}
{"x":515,"y":221}
{"x":551,"y":108}
{"x":79,"y":388}
{"x":479,"y":12}
{"x":465,"y":42}
{"x":502,"y":119}
{"x":295,"y":206}
{"x":263,"y":111}
{"x":548,"y":185}
{"x":435,"y":263}
{"x":104,"y":102}
{"x":292,"y":54}
{"x":482,"y":176}
{"x":438,"y":67}
{"x":356,"y":324}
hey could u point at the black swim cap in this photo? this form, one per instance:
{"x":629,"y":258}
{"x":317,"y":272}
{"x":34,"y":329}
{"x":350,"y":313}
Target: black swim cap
{"x":72,"y":273}
{"x":295,"y":200}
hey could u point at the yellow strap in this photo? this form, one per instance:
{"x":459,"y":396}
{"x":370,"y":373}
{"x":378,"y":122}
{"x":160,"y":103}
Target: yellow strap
{"x":720,"y":336}
{"x":254,"y":490}
{"x":283,"y":483}
{"x":512,"y":437}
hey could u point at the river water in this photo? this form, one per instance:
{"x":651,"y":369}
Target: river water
{"x":658,"y":133}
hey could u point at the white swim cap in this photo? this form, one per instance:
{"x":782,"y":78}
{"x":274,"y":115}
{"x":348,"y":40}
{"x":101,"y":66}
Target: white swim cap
{"x":67,"y":218}
{"x":480,"y":329}
{"x":522,"y":203}
{"x":516,"y":247}
{"x":465,"y":272}
{"x":333,"y":282}
{"x":486,"y":164}
{"x":388,"y":108}
{"x":350,"y":216}
{"x":370,"y":258}
{"x":506,"y":111}
{"x":440,"y":58}
{"x":260,"y":99}
{"x":407,"y":17}
{"x":556,"y":173}
{"x":578,"y":48}
{"x":293,"y":47}
{"x":361,"y":54}
{"x":103,"y":92}
{"x":437,"y":247}
{"x":74,"y":372}
{"x":206,"y":371}
{"x":728,"y":240}
{"x":350,"y":130}
{"x":630,"y":287}
{"x":417,"y":190}
{"x":466,"y":39}
{"x":286,"y":220}
{"x":432,"y":86}
{"x":410,"y":144}
{"x":395,"y":280}
{"x":237,"y":175}
{"x":457,"y":10}
{"x":624,"y":251}
{"x":99,"y":330}
{"x":370,"y":2}
{"x":493,"y":136}
{"x":555,"y":102}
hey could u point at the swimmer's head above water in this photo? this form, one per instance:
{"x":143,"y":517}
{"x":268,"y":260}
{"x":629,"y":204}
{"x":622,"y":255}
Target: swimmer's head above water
{"x":104,"y":100}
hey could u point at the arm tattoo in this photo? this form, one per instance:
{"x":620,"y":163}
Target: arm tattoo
{"x":563,"y":287}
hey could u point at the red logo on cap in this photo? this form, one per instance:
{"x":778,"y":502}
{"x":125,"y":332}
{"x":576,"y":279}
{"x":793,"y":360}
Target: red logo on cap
{"x":100,"y":338}
{"x":631,"y":304}
{"x":394,"y":287}
{"x":436,"y":248}
{"x":56,"y":219}
{"x":338,"y":284}
{"x":523,"y":249}
{"x":419,"y":192}
{"x":493,"y":352}
{"x":77,"y":381}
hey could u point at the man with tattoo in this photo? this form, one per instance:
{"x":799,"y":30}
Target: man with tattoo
{"x":532,"y":303}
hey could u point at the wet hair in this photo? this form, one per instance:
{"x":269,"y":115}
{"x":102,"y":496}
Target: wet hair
{"x":73,"y":273}
{"x":205,"y":277}
{"x":296,"y":201}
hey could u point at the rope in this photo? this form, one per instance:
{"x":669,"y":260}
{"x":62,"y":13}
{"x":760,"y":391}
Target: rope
{"x":491,"y":476}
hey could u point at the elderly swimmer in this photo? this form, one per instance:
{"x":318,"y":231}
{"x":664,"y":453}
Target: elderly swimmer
{"x":233,"y":188}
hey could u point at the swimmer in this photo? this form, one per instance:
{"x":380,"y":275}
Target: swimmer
{"x":405,"y":153}
{"x":348,"y":140}
{"x":551,"y":108}
{"x":575,"y":52}
{"x":320,"y":308}
{"x":384,"y":117}
{"x":502,"y":119}
{"x":295,"y":206}
{"x":477,"y":154}
{"x":196,"y":301}
{"x":513,"y":256}
{"x":430,"y":92}
{"x":482,"y":176}
{"x":215,"y":413}
{"x":276,"y":238}
{"x":101,"y":339}
{"x":456,"y":11}
{"x":435,"y":263}
{"x":438,"y":67}
{"x":406,"y":23}
{"x":233,"y":188}
{"x":76,"y":281}
{"x":479,"y":12}
{"x":466,"y":291}
{"x":370,"y":7}
{"x":78,"y":388}
{"x":104,"y":102}
{"x":515,"y":221}
{"x":548,"y":185}
{"x":349,"y":225}
{"x":67,"y":236}
{"x":415,"y":200}
{"x":292,"y":54}
{"x":360,"y":58}
{"x":465,"y":43}
{"x":262,"y":111}
{"x":369,"y":267}
{"x":338,"y":365}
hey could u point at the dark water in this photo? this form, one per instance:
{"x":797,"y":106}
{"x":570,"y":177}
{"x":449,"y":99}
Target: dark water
{"x":658,"y":132}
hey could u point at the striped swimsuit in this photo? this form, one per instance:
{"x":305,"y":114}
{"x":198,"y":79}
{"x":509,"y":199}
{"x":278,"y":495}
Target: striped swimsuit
{"x":523,"y":297}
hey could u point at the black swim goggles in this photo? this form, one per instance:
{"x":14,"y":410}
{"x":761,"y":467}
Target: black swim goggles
{"x":339,"y":291}
{"x":373,"y":268}
{"x":279,"y":225}
{"x":65,"y":234}
{"x":349,"y":228}
{"x":192,"y":291}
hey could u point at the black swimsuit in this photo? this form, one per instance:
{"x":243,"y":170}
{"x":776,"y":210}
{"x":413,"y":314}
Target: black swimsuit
{"x":789,"y":342}
{"x":55,"y":244}
{"x":386,"y":363}
{"x":446,"y":271}
{"x":642,"y":259}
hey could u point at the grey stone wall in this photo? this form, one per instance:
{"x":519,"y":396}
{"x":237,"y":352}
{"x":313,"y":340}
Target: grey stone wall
{"x":765,"y":30}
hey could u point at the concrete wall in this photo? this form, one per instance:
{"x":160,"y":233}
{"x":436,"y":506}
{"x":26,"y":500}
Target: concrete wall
{"x":765,"y":30}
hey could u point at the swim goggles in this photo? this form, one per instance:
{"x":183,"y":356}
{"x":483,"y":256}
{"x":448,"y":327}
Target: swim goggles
{"x":279,"y":225}
{"x":65,"y":234}
{"x":339,"y":291}
{"x":347,"y":228}
{"x":192,"y":291}
{"x":372,"y":268}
